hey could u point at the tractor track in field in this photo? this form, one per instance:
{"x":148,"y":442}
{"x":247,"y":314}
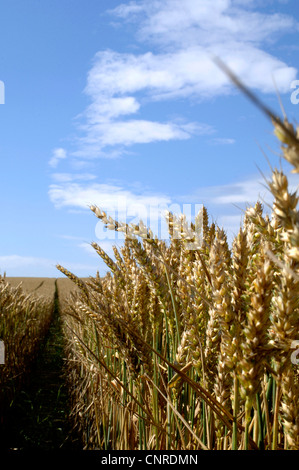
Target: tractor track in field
{"x":38,"y":417}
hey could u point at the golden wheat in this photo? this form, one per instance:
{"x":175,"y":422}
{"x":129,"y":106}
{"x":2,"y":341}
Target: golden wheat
{"x":179,"y":348}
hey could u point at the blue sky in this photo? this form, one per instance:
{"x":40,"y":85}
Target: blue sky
{"x":119,"y":104}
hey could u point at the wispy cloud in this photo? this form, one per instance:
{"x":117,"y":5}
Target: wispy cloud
{"x":58,"y":154}
{"x":226,"y":196}
{"x":69,"y":177}
{"x":173,"y":23}
{"x":223,"y":141}
{"x":181,"y":39}
{"x":226,"y":202}
{"x":119,"y":85}
{"x":244,"y":192}
{"x":111,"y":198}
{"x":106,"y":126}
{"x":108,"y":139}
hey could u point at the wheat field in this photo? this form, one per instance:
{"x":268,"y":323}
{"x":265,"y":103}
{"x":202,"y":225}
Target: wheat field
{"x":42,"y":287}
{"x":178,"y":348}
{"x":24,"y":320}
{"x":193,"y":349}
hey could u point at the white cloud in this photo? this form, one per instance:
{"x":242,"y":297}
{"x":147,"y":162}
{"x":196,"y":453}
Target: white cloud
{"x":188,"y":33}
{"x":225,"y":203}
{"x":242,"y":194}
{"x":111,"y":198}
{"x":58,"y":154}
{"x":113,"y":84}
{"x":104,"y":108}
{"x":124,"y":205}
{"x":188,"y":72}
{"x":223,"y":141}
{"x":127,"y":133}
{"x":140,"y":131}
{"x":245,"y":192}
{"x":231,"y":224}
{"x":120,"y":85}
{"x":68,"y":177}
{"x":180,"y":24}
{"x":69,"y":237}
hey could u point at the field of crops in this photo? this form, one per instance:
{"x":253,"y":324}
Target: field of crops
{"x":178,"y":348}
{"x":34,"y":407}
{"x":24,"y":321}
{"x":26,"y":310}
{"x":43,"y":286}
